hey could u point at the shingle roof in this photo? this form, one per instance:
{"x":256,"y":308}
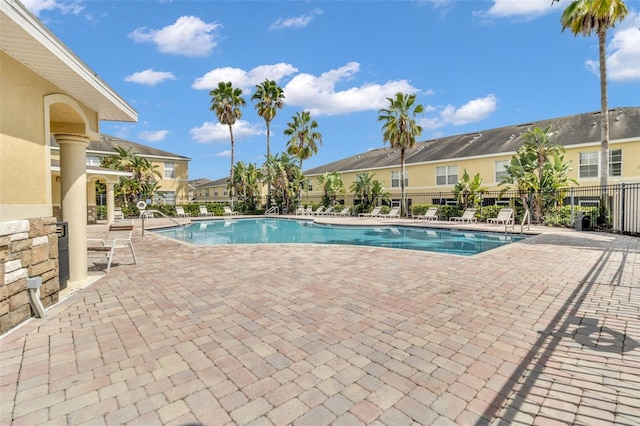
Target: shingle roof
{"x":107,"y":145}
{"x":197,"y":183}
{"x":570,"y":130}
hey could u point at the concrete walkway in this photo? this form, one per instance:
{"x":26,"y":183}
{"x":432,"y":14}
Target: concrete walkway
{"x":544,"y":331}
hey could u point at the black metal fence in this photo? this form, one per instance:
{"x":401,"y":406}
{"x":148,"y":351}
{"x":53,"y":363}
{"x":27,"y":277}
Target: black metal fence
{"x":613,"y":208}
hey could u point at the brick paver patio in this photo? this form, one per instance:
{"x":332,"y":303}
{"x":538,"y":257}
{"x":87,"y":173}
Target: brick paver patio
{"x":545,"y":331}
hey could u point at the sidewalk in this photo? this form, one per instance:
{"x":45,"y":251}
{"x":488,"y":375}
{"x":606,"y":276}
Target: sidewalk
{"x":544,"y":331}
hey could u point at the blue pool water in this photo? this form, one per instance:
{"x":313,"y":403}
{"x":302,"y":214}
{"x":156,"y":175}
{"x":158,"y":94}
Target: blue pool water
{"x":270,"y":231}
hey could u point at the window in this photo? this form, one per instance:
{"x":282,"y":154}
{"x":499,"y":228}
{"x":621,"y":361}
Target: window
{"x":446,"y":175}
{"x":169,"y":172}
{"x":215,"y":192}
{"x":615,"y":162}
{"x":93,"y":160}
{"x":501,"y":172}
{"x":589,"y":164}
{"x":169,"y":197}
{"x":206,"y":193}
{"x":395,"y":179}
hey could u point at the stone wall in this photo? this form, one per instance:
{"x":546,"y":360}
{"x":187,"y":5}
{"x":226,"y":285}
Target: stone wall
{"x":28,"y":248}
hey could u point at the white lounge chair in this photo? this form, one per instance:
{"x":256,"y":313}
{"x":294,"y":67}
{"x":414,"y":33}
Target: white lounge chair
{"x":393,"y":213}
{"x":430,"y":214}
{"x":468,"y":216}
{"x":228,"y":211}
{"x":318,"y":211}
{"x":374,"y":213}
{"x":505,"y":217}
{"x":346,"y":211}
{"x":204,"y":211}
{"x":329,"y":211}
{"x":181,"y":213}
{"x":118,"y":237}
{"x":308,"y":210}
{"x":300,"y":211}
{"x":117,"y":213}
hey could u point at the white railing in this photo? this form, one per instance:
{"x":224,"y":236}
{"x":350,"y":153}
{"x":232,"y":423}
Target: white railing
{"x":526,"y":218}
{"x":273,"y":210}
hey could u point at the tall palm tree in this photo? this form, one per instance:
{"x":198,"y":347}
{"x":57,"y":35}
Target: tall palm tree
{"x":400,"y":129}
{"x":585,"y":17}
{"x":269,"y":98}
{"x":226,"y":102}
{"x":304,"y":138}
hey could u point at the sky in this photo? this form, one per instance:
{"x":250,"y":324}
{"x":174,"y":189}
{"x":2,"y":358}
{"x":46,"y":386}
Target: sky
{"x":473,"y":65}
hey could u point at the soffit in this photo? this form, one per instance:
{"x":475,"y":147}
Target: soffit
{"x":23,"y":37}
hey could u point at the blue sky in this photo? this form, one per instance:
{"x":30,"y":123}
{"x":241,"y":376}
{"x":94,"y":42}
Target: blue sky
{"x":474,"y":65}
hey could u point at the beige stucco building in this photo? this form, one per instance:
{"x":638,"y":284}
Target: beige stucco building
{"x":47,"y":92}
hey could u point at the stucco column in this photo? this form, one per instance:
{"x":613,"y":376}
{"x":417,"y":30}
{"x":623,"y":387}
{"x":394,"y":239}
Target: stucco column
{"x":111,"y":201}
{"x":73,"y":193}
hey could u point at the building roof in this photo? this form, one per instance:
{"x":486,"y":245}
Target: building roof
{"x":569,"y":130}
{"x":198,"y":183}
{"x":27,"y":40}
{"x":107,"y":144}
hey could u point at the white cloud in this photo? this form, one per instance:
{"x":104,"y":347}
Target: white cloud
{"x":226,"y":153}
{"x":65,"y":6}
{"x":523,"y":9}
{"x":319,"y":96}
{"x":153,"y":136}
{"x":211,"y":132}
{"x":245,"y":80}
{"x":297,"y":22}
{"x":149,"y":77}
{"x":623,"y":56}
{"x":471,"y":112}
{"x":188,"y":36}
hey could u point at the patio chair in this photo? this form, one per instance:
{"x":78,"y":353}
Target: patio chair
{"x":318,"y":211}
{"x":430,"y":214}
{"x":393,"y":213}
{"x":468,"y":216}
{"x":204,"y":211}
{"x":308,"y":210}
{"x":346,"y":211}
{"x":329,"y":211}
{"x":181,"y":213}
{"x":375,"y":212}
{"x":118,"y":237}
{"x":228,"y":211}
{"x":117,"y":213}
{"x":505,"y":217}
{"x":300,"y":211}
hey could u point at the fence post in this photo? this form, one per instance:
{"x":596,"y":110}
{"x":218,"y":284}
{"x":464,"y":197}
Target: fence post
{"x":572,"y":208}
{"x":622,"y":207}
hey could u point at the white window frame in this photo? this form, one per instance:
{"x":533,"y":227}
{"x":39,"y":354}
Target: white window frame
{"x":612,"y":163}
{"x":169,"y":170}
{"x":395,"y":178}
{"x":93,"y":160}
{"x":594,"y":160}
{"x":588,"y":160}
{"x":449,"y":177}
{"x":169,"y":197}
{"x":500,"y":172}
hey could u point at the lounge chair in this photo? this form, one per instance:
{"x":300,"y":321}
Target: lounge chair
{"x":308,"y":210}
{"x":318,"y":211}
{"x":181,"y":213}
{"x":329,"y":211}
{"x":117,"y":213}
{"x":118,"y":237}
{"x":374,"y":213}
{"x":393,"y":213}
{"x":468,"y":216}
{"x":346,"y":211}
{"x":228,"y":211}
{"x":204,"y":211}
{"x":300,"y":211}
{"x":505,"y":217}
{"x":430,"y":214}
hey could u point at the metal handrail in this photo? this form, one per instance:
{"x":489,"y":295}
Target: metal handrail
{"x":527,"y":218}
{"x":143,"y":215}
{"x":272,"y":210}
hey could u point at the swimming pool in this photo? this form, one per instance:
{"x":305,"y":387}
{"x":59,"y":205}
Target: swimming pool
{"x":287,"y":231}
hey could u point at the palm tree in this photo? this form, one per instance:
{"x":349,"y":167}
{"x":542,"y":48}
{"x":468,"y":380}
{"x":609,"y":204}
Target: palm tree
{"x":332,"y":185}
{"x":304,"y":138}
{"x":586,"y":17}
{"x":226,"y":102}
{"x":401,"y":130}
{"x":468,"y":191}
{"x":269,"y":98}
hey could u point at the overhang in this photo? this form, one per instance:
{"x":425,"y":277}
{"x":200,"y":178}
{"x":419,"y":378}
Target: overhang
{"x":26,"y":39}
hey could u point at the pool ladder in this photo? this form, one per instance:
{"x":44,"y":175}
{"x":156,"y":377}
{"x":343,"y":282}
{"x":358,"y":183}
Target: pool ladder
{"x":272,"y":211}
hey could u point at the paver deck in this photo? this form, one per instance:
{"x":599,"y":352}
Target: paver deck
{"x":544,"y":331}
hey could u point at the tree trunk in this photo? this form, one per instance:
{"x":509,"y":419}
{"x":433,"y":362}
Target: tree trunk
{"x":604,"y":109}
{"x":231,"y":186}
{"x":403,"y":204}
{"x":268,"y":154}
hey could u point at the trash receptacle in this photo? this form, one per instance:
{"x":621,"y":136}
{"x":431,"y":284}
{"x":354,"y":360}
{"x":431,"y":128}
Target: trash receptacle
{"x":62,"y":229}
{"x":582,"y":222}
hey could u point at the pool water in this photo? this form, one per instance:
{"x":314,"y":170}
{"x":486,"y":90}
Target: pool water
{"x":286,"y":231}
